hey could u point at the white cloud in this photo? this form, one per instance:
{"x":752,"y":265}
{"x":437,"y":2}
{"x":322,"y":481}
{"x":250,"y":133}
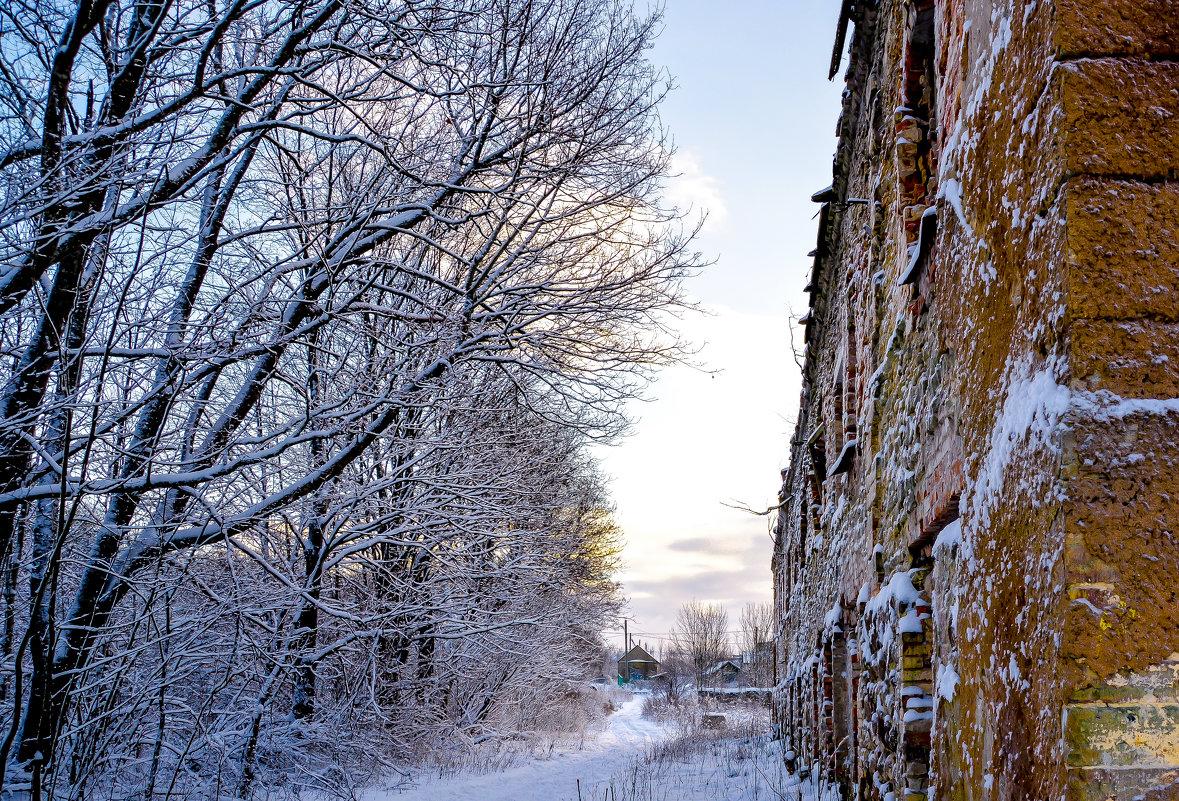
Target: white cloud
{"x":692,"y":189}
{"x":707,"y":439}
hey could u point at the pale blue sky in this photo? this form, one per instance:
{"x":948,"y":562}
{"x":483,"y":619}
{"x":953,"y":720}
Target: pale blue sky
{"x":753,"y":119}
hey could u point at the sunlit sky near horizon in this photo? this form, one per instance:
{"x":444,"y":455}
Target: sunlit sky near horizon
{"x":753,"y":119}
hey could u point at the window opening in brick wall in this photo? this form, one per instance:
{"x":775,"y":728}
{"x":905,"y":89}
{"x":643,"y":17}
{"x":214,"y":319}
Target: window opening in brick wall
{"x":802,"y":528}
{"x":917,"y":688}
{"x":851,"y":374}
{"x":837,"y":399}
{"x":847,"y":395}
{"x":798,"y":714}
{"x":828,"y":731}
{"x":816,"y":698}
{"x":817,"y":450}
{"x":842,"y":438}
{"x":851,"y":615}
{"x":916,"y":155}
{"x":843,"y":697}
{"x":918,"y":62}
{"x":921,"y":549}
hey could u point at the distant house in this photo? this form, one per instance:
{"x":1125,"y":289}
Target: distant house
{"x":763,"y":653}
{"x":723,"y":674}
{"x":637,"y":664}
{"x":757,"y":666}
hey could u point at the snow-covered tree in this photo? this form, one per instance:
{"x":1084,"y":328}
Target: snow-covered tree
{"x":309,"y":311}
{"x":700,"y":636}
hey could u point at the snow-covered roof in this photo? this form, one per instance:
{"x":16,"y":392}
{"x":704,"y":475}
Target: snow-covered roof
{"x":721,"y":666}
{"x":637,"y":655}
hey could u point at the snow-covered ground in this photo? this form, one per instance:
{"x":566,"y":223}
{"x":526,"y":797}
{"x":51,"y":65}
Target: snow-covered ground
{"x":630,"y":759}
{"x":620,"y":742}
{"x":716,"y":768}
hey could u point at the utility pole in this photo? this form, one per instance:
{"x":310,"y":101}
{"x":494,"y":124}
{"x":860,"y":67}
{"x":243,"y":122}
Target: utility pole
{"x":626,"y":651}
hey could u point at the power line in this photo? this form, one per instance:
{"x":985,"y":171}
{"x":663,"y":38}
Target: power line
{"x":666,"y":634}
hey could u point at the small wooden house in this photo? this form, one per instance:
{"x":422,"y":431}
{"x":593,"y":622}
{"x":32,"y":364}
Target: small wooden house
{"x":724,"y":674}
{"x":636,"y":664}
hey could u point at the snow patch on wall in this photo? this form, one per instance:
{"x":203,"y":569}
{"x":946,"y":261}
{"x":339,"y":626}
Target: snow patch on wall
{"x":983,"y":74}
{"x":1030,"y":419}
{"x":948,"y":538}
{"x":947,"y":682}
{"x":899,"y":588}
{"x":1105,"y":406}
{"x":951,"y":190}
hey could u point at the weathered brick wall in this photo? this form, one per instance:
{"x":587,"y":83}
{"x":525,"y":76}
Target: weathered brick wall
{"x":976,"y":570}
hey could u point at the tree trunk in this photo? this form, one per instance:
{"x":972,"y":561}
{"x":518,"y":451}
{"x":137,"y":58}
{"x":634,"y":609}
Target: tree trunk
{"x":49,"y":524}
{"x":307,"y":622}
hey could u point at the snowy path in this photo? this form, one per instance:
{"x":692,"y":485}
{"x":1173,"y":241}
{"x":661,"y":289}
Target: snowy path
{"x":624,"y":737}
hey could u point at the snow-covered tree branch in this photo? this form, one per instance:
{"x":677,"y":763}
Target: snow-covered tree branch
{"x":309,"y":311}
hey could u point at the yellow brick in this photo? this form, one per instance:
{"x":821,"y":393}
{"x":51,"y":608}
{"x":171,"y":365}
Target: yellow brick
{"x":1122,"y":259}
{"x":1121,"y":117}
{"x":1116,"y":27}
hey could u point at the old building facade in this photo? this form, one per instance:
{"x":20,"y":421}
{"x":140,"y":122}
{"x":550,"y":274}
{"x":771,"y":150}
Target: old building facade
{"x":976,"y":570}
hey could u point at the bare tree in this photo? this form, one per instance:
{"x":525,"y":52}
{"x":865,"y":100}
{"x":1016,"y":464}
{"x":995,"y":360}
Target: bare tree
{"x":757,"y":637}
{"x":678,"y":673}
{"x":700,"y":635}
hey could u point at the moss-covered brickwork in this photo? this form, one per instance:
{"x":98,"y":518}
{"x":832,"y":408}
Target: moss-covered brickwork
{"x":976,"y":566}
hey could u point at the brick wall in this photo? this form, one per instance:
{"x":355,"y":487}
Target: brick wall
{"x":976,"y":570}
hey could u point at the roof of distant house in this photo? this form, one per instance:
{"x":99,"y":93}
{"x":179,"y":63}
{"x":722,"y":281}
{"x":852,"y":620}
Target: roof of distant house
{"x":638,"y":655}
{"x":719,"y":666}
